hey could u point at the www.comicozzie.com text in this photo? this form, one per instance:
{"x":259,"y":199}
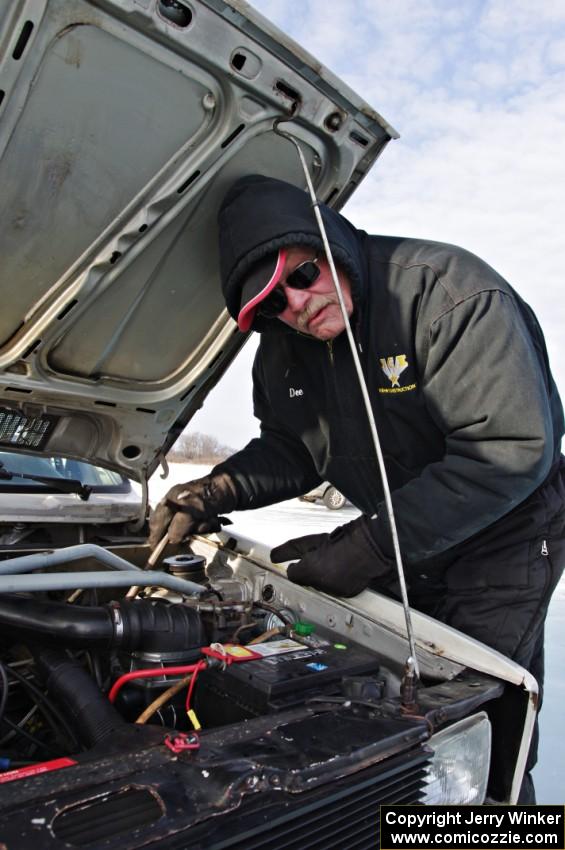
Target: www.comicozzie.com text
{"x":499,"y":834}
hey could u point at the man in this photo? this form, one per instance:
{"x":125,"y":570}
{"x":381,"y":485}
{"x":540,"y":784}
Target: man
{"x":468,"y":414}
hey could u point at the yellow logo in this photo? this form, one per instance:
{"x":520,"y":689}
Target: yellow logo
{"x":393,"y":367}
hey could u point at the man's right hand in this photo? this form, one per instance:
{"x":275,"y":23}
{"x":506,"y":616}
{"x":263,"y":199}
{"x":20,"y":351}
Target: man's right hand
{"x":193,"y":508}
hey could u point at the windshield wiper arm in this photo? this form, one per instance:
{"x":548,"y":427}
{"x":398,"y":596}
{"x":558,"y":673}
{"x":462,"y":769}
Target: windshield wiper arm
{"x":64,"y":485}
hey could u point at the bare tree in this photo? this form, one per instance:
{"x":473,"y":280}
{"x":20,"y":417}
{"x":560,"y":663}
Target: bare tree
{"x":198,"y":448}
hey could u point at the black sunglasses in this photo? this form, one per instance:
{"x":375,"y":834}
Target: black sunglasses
{"x":302,"y":277}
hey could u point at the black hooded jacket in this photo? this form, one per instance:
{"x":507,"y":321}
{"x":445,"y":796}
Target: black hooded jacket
{"x":468,"y":414}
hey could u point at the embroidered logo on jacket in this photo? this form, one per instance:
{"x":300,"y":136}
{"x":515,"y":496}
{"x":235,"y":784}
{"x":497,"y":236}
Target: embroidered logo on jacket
{"x":293,"y":393}
{"x":393,"y":367}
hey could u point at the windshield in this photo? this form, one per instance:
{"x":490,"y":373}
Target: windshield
{"x":101,"y":480}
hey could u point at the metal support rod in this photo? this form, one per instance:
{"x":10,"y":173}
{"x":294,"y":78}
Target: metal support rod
{"x":365,"y":393}
{"x":98,"y":580}
{"x":142,"y":518}
{"x":56,"y":557}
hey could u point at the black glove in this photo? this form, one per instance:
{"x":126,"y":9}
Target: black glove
{"x":193,"y":508}
{"x":341,"y":563}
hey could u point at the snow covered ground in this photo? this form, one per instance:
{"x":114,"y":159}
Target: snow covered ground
{"x":293,"y":518}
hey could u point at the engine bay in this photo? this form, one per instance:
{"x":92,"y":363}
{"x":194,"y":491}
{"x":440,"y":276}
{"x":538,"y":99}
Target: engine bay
{"x":78,"y":665}
{"x":194,"y":645}
{"x":213,"y":671}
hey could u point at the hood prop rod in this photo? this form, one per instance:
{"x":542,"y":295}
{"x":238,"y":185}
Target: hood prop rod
{"x":411,"y":661}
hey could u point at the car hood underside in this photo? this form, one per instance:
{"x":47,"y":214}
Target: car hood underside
{"x":123,"y":125}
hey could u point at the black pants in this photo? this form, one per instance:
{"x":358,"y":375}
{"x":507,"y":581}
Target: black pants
{"x":498,"y":586}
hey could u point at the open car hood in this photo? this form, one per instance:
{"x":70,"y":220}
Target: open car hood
{"x":123,"y":124}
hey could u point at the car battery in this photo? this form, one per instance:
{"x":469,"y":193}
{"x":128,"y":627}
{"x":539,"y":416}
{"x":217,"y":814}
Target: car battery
{"x":286,"y":673}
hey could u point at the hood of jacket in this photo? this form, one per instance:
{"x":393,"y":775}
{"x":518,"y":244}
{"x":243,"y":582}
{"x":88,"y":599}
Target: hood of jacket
{"x":261,"y":214}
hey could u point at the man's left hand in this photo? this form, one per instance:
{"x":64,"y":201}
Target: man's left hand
{"x":341,"y":563}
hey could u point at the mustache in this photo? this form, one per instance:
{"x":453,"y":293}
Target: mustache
{"x":315,"y":304}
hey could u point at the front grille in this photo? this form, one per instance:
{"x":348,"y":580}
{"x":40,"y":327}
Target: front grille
{"x":102,"y":818}
{"x":29,"y":432}
{"x":344,"y":815}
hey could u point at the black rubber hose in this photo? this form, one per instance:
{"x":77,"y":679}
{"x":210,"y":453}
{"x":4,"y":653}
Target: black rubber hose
{"x":51,"y":713}
{"x":91,"y":714}
{"x":56,"y":623}
{"x":4,"y":692}
{"x":130,"y":624}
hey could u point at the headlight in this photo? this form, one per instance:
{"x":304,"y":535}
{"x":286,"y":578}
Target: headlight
{"x":459,"y":769}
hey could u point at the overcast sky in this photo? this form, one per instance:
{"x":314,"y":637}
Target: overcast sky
{"x":477,"y":91}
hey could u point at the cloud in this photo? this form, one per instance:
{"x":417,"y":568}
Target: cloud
{"x":556,"y":53}
{"x":228,"y":411}
{"x":521,"y":16}
{"x":477,"y":91}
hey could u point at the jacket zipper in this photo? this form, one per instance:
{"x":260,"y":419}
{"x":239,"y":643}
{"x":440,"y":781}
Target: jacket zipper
{"x":330,"y":345}
{"x":544,"y":549}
